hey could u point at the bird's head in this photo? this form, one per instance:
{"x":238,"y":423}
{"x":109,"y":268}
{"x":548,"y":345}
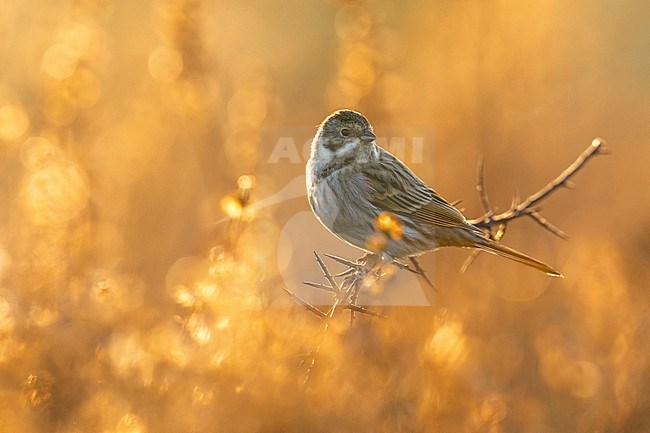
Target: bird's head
{"x":343,"y":134}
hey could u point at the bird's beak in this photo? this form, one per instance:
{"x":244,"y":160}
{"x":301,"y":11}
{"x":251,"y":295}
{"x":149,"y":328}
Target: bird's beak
{"x":368,"y":136}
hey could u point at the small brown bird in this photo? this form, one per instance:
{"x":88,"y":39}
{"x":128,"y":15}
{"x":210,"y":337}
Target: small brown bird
{"x":355,"y":187}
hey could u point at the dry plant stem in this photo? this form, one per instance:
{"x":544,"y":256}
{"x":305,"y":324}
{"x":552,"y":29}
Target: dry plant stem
{"x":420,"y":271}
{"x":345,"y":295}
{"x":354,"y":296}
{"x":351,"y":265}
{"x":416,"y":269}
{"x":305,"y":304}
{"x":480,"y":186}
{"x":489,"y":220}
{"x":318,"y":286}
{"x":538,"y":218}
{"x":328,"y":275}
{"x":527,"y":207}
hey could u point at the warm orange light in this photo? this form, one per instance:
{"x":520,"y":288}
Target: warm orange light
{"x":447,"y":346}
{"x":13,"y":122}
{"x":128,"y":129}
{"x":376,"y":242}
{"x":60,"y":60}
{"x":388,"y":223}
{"x":246,"y":182}
{"x":232,"y":207}
{"x":55,"y":194}
{"x":165,"y":64}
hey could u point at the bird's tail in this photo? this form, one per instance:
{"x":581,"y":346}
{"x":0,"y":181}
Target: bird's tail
{"x":507,"y":252}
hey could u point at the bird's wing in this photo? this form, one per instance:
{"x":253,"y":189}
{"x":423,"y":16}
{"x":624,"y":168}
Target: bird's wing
{"x":394,"y":188}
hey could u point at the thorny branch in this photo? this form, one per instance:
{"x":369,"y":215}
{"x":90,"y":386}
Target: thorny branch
{"x":491,"y":221}
{"x":367,"y":269}
{"x":345,"y":294}
{"x":527,"y":207}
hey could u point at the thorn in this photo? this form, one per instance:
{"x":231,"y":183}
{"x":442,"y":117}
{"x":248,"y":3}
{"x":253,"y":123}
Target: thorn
{"x":516,"y":199}
{"x":318,"y":286}
{"x":468,"y":262}
{"x":346,"y":273}
{"x":518,"y":209}
{"x":343,"y":261}
{"x":305,"y":304}
{"x":422,"y":272}
{"x":327,"y":274}
{"x":568,"y":184}
{"x":363,"y":310}
{"x":400,"y":264}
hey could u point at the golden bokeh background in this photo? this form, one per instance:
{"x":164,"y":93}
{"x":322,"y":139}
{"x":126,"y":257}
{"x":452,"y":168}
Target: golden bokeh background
{"x":129,"y":129}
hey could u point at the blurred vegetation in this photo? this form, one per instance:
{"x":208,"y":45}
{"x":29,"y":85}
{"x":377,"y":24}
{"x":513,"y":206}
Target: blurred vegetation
{"x":125,"y":128}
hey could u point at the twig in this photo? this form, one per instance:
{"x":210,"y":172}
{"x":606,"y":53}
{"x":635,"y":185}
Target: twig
{"x":355,"y":285}
{"x":305,"y":304}
{"x":400,"y":264}
{"x":348,"y":272}
{"x":327,"y":274}
{"x":520,"y":209}
{"x":480,"y":185}
{"x":345,"y":294}
{"x":469,"y":260}
{"x":352,"y":265}
{"x":485,"y":204}
{"x":318,"y":286}
{"x":363,"y":310}
{"x":421,"y":272}
{"x":538,"y":218}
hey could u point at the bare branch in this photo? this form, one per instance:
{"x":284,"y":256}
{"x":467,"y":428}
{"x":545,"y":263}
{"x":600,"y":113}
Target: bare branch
{"x":318,"y":286}
{"x":469,"y":260}
{"x":480,"y":185}
{"x":355,"y":286}
{"x":520,"y":209}
{"x":400,"y":264}
{"x":327,"y":274}
{"x":345,"y":293}
{"x":538,"y":218}
{"x":527,"y":207}
{"x":305,"y":304}
{"x":348,"y":272}
{"x":346,"y":262}
{"x":596,"y":145}
{"x":363,"y":310}
{"x":421,"y":272}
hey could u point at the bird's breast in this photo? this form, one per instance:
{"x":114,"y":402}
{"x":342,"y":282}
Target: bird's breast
{"x":340,"y":203}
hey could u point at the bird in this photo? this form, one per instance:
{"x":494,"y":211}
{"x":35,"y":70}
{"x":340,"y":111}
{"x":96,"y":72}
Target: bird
{"x":368,"y":198}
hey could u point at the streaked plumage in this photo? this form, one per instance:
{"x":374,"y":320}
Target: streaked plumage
{"x":351,"y":181}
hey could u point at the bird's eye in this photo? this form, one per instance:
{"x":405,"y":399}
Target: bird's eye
{"x":345,"y":132}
